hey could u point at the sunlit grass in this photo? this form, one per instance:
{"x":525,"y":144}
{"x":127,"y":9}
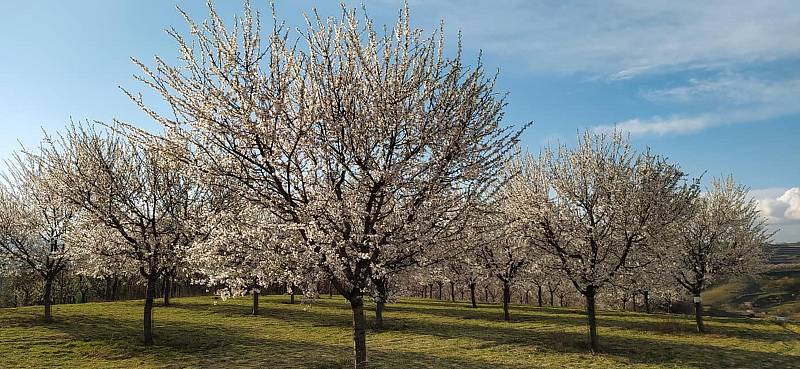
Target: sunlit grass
{"x":206,"y":333}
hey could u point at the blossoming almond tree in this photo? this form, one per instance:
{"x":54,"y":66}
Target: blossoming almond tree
{"x":369,"y":142}
{"x":504,"y":255}
{"x":117,"y":185}
{"x":467,"y":271}
{"x":34,"y":223}
{"x":724,"y":237}
{"x":243,"y":250}
{"x":98,"y":252}
{"x":597,"y":209}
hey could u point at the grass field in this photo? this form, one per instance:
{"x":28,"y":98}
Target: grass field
{"x":199,"y":333}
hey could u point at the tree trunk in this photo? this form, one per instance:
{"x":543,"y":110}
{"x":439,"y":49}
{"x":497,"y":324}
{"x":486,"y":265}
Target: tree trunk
{"x":167,"y":289}
{"x":440,"y":289}
{"x":698,"y":313}
{"x":330,"y":289}
{"x":150,"y":293}
{"x":380,"y":302}
{"x":552,"y":301}
{"x":48,"y":299}
{"x":506,"y":301}
{"x":359,"y":332}
{"x":539,"y":295}
{"x":379,"y":306}
{"x":633,"y":301}
{"x":291,"y":297}
{"x":472,"y":295}
{"x":646,"y":296}
{"x":255,"y":302}
{"x":561,"y":300}
{"x":452,"y":291}
{"x":115,"y":288}
{"x":591,"y":318}
{"x":107,"y":291}
{"x":26,"y":297}
{"x":486,"y":292}
{"x":527,"y":301}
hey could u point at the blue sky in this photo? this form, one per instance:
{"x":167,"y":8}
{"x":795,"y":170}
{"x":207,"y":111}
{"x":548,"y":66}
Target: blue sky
{"x":714,"y":85}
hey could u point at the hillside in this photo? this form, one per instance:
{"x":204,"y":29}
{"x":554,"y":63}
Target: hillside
{"x":204,"y":333}
{"x":775,"y":292}
{"x":785,"y":253}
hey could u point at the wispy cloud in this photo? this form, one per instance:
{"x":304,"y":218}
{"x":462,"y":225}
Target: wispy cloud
{"x":659,"y":126}
{"x":737,"y":99}
{"x":624,"y":38}
{"x":730,"y":89}
{"x":627,"y":39}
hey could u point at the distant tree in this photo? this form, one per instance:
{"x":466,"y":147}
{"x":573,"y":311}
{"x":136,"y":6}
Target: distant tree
{"x":99,"y":252}
{"x":542,"y":271}
{"x":725,"y":236}
{"x":118,"y":185}
{"x":504,"y":256}
{"x":467,"y":271}
{"x":243,"y":251}
{"x":33,"y":223}
{"x":597,"y":209}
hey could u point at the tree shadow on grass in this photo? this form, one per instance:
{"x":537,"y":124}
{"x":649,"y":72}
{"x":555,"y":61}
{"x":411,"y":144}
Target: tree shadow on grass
{"x":338,"y":314}
{"x":210,"y":343}
{"x":182,"y":344}
{"x":660,"y":323}
{"x":642,"y":350}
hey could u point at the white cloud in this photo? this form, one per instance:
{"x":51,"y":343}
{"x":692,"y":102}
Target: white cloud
{"x":731,"y":89}
{"x":781,"y":207}
{"x":787,"y":206}
{"x":737,"y":99}
{"x":623,"y":38}
{"x":658,"y":126}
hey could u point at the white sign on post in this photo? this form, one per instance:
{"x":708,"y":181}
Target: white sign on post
{"x":697,"y":299}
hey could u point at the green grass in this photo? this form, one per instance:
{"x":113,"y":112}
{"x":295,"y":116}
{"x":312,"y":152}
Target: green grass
{"x":199,"y":333}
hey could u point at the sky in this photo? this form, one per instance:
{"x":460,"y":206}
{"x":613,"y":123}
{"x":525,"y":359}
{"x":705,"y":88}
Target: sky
{"x":713,"y":85}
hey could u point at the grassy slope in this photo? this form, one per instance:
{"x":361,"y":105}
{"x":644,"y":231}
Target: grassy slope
{"x":775,"y":293}
{"x":420,"y":334}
